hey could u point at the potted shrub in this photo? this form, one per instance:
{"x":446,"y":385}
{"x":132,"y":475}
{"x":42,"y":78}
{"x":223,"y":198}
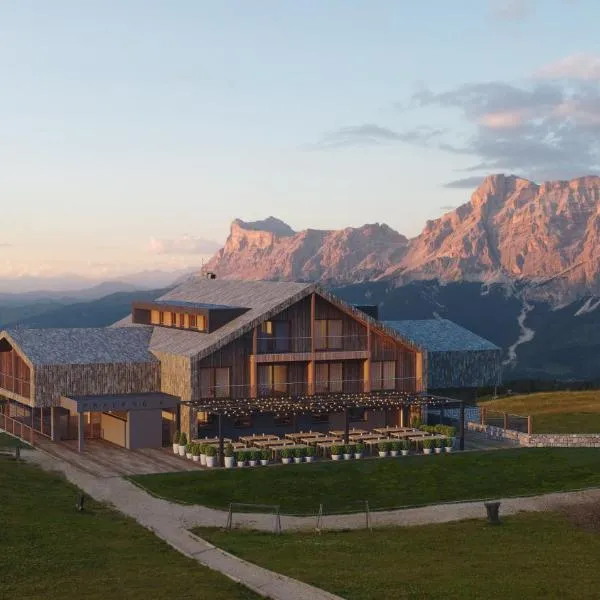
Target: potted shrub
{"x":188,"y":451}
{"x":310,"y":454}
{"x":176,"y":442}
{"x":211,"y":456}
{"x":254,"y":457}
{"x":299,"y":454}
{"x":438,"y":445}
{"x":349,"y":450}
{"x":449,"y":444}
{"x":336,"y":452}
{"x":203,"y":454}
{"x":196,"y":452}
{"x":286,"y":456}
{"x":240,"y":458}
{"x":229,"y":458}
{"x":182,"y":444}
{"x":383,"y":449}
{"x":359,"y":451}
{"x":405,"y":447}
{"x":395,"y":449}
{"x":264,"y":457}
{"x":427,"y":446}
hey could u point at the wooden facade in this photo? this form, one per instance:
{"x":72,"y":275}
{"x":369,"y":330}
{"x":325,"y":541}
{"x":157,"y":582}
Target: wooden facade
{"x":15,"y":373}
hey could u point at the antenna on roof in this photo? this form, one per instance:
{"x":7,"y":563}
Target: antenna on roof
{"x":211,"y":275}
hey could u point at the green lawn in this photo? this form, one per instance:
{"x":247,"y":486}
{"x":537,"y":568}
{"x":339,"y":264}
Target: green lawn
{"x":50,"y":551}
{"x":10,"y":442}
{"x":554,"y":412}
{"x":529,"y":556}
{"x":386,"y":483}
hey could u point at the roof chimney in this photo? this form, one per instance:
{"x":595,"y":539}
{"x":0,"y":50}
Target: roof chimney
{"x":211,"y":275}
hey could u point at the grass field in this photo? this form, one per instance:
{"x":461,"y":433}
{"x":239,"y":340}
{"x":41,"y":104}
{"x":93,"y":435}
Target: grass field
{"x":50,"y":551}
{"x":530,"y":556}
{"x":555,"y":412}
{"x":388,"y":483}
{"x":9,"y":441}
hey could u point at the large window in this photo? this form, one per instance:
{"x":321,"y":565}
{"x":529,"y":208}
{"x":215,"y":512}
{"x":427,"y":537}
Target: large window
{"x":383,"y":375}
{"x":274,"y":336}
{"x":328,"y":334}
{"x":328,"y":377}
{"x":272,"y":379}
{"x":214,"y":382}
{"x":179,"y":320}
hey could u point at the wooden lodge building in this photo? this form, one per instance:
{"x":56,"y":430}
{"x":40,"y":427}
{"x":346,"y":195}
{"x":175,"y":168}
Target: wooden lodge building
{"x":212,"y":343}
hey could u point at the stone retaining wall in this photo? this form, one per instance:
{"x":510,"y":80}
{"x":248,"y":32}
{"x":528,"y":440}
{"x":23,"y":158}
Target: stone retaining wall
{"x":539,"y":440}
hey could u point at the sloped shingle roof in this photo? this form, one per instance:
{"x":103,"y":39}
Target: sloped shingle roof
{"x":440,"y":335}
{"x":261,"y":297}
{"x":84,"y":345}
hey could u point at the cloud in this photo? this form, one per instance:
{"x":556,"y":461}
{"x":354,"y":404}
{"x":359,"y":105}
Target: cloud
{"x":583,"y":67}
{"x":185,"y":244}
{"x":511,"y":10}
{"x":369,"y":133}
{"x":543,"y":130}
{"x":461,"y":184}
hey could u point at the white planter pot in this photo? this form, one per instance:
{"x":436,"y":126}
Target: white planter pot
{"x":211,"y":461}
{"x":189,"y":455}
{"x":264,"y":462}
{"x":382,"y":454}
{"x":229,"y":460}
{"x":438,"y":450}
{"x":252,"y":463}
{"x":203,"y":459}
{"x":358,"y":455}
{"x":196,"y":458}
{"x":335,"y":456}
{"x":297,"y":459}
{"x":347,"y":456}
{"x":175,"y":448}
{"x":426,"y":450}
{"x":405,"y":452}
{"x":309,"y":458}
{"x":285,"y":461}
{"x":449,"y":449}
{"x":181,"y":450}
{"x":240,"y":463}
{"x":394,"y":453}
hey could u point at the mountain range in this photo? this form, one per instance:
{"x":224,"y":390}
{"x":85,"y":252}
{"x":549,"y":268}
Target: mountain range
{"x":512,"y":230}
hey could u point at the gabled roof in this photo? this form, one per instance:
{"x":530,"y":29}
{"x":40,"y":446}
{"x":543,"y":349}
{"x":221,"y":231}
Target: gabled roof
{"x":83,"y":346}
{"x":264,"y":299}
{"x":441,"y":335}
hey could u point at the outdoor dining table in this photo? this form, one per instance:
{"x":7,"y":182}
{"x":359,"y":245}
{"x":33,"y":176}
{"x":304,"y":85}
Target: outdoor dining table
{"x":403,"y":434}
{"x":324,"y":446}
{"x":234,"y":445}
{"x":341,"y":432}
{"x":392,"y":429}
{"x":425,"y":436}
{"x":333,"y":439}
{"x":258,"y":438}
{"x":302,"y":435}
{"x":375,"y":442}
{"x":211,"y":440}
{"x":364,"y":437}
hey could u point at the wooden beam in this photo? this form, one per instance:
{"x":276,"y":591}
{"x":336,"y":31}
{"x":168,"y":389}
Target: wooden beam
{"x":367,"y":363}
{"x":313,"y":311}
{"x":311,"y":377}
{"x":253,"y":376}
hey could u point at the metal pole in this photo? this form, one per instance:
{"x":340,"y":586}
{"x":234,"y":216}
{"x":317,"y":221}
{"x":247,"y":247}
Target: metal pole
{"x":461,"y":425}
{"x":221,"y":453}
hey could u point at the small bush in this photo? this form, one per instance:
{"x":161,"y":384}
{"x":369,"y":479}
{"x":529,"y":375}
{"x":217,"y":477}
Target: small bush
{"x":196,"y":449}
{"x":228,"y":451}
{"x":406,"y":444}
{"x":183,"y":439}
{"x":360,"y":449}
{"x":300,"y":452}
{"x":211,"y":451}
{"x":349,"y":449}
{"x":310,"y":451}
{"x":255,"y":454}
{"x":396,"y":446}
{"x":287,"y":453}
{"x":265,"y":454}
{"x":439,"y":442}
{"x":176,"y":437}
{"x":335,"y":450}
{"x":428,"y":444}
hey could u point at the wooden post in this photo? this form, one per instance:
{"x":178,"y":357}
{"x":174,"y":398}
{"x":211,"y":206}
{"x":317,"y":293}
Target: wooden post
{"x":367,"y":363}
{"x":461,"y":425}
{"x":346,"y":426}
{"x":32,"y":423}
{"x":221,"y":450}
{"x":311,"y":377}
{"x":505,"y":421}
{"x":529,"y":425}
{"x":53,"y":427}
{"x":80,"y":431}
{"x":253,"y":377}
{"x":482,"y":415}
{"x":313,"y":312}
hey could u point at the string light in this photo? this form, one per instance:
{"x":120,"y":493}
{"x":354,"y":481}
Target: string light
{"x":316,"y":404}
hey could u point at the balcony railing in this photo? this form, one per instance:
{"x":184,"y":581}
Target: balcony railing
{"x":281,"y":345}
{"x":300,"y":388}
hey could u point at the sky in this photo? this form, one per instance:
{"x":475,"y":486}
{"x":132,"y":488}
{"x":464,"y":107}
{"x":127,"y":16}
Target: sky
{"x":132,"y":132}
